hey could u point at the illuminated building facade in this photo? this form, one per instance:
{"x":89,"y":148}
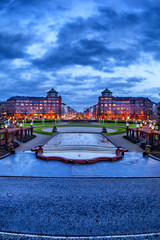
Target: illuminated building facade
{"x":48,"y":107}
{"x":3,"y":109}
{"x":110,"y":107}
{"x":91,"y":112}
{"x":67,"y":112}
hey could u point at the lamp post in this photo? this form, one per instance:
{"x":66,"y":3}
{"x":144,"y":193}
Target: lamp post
{"x":31,"y":124}
{"x":136,"y":124}
{"x":21,"y":130}
{"x":127,"y":127}
{"x":6,"y":132}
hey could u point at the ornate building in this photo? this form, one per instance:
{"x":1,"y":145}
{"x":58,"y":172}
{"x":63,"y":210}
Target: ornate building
{"x":110,"y":107}
{"x":49,"y":107}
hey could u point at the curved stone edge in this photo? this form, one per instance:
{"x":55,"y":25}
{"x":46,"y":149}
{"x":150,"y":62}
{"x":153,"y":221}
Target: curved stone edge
{"x":6,"y":155}
{"x":123,"y":149}
{"x":19,"y":236}
{"x":77,"y":161}
{"x":41,"y":156}
{"x":35,"y":148}
{"x":150,"y":155}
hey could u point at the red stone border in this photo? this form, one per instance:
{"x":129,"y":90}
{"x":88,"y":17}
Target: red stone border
{"x":78,"y":161}
{"x":40,"y":155}
{"x":36,"y":148}
{"x":122,"y":149}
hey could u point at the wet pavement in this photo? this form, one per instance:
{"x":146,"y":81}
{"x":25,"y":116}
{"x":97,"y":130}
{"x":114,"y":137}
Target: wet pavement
{"x":132,"y":165}
{"x":79,"y":139}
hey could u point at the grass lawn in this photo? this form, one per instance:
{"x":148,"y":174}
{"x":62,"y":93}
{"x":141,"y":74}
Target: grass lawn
{"x":119,"y":130}
{"x":82,"y":124}
{"x":39,"y":130}
{"x":118,"y":125}
{"x":41,"y":124}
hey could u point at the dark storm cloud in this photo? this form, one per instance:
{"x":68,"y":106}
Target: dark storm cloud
{"x":115,"y":34}
{"x":151,"y":32}
{"x":74,"y":47}
{"x":134,"y":80}
{"x":12,"y":46}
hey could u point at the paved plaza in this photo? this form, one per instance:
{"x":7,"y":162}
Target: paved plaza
{"x":79,"y":129}
{"x":132,"y":165}
{"x":79,"y":206}
{"x":113,"y":200}
{"x":117,"y":139}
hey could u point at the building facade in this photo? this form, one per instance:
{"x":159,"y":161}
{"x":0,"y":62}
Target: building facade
{"x":21,"y":107}
{"x":67,"y":112}
{"x":91,"y":112}
{"x":110,"y":107}
{"x":3,"y":110}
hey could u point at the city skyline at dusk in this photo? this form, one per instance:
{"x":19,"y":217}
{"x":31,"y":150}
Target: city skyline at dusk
{"x":79,"y":48}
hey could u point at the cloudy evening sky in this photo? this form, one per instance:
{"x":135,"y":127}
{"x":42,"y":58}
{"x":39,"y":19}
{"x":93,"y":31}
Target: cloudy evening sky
{"x":80,"y":47}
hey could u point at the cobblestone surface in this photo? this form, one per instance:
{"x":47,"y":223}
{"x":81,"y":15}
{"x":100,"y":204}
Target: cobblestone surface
{"x":39,"y":139}
{"x":119,"y":140}
{"x":79,"y":206}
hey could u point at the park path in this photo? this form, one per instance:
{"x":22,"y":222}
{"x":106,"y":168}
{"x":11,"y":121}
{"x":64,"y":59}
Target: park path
{"x":119,"y":140}
{"x":39,"y":139}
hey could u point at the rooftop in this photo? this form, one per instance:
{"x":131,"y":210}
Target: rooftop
{"x":26,"y":98}
{"x":52,"y":91}
{"x":106,"y":91}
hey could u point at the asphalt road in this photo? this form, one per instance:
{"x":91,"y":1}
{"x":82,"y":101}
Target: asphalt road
{"x":79,"y":206}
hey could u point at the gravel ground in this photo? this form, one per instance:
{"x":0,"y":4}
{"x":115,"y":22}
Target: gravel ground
{"x":80,"y":206}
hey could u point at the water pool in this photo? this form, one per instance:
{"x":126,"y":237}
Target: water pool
{"x":79,"y":148}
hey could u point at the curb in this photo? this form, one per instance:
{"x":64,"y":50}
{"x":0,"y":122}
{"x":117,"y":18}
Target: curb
{"x":150,"y":155}
{"x":6,"y":155}
{"x":16,"y":236}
